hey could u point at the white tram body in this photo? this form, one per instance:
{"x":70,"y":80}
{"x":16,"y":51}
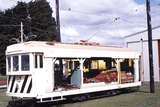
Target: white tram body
{"x":49,"y":71}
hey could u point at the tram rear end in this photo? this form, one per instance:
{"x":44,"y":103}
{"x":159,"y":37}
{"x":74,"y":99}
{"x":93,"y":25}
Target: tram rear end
{"x":19,"y":75}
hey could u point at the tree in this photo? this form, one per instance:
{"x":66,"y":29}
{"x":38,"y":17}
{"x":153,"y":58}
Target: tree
{"x":37,"y":19}
{"x":42,"y":22}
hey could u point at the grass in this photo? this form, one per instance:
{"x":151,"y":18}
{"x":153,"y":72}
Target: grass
{"x":3,"y":98}
{"x":141,"y":98}
{"x":3,"y":77}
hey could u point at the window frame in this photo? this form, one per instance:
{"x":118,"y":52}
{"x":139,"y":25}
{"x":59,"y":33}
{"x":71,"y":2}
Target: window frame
{"x":19,"y":64}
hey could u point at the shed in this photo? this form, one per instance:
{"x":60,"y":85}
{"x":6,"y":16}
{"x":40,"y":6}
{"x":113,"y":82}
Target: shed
{"x":139,"y":42}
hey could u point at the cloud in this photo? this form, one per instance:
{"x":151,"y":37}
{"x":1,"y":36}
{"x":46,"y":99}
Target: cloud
{"x":104,"y":21}
{"x":69,"y":31}
{"x":5,"y":4}
{"x":92,"y":16}
{"x":114,"y":18}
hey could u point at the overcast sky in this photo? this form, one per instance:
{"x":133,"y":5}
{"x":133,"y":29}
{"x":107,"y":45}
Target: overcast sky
{"x":103,"y":21}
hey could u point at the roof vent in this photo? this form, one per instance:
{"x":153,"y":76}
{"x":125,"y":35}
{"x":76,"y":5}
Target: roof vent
{"x":50,"y":43}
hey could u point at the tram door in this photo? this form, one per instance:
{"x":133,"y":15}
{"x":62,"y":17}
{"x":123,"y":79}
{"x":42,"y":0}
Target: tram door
{"x":38,"y":74}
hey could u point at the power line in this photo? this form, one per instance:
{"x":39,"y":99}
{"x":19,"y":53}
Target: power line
{"x":133,"y":34}
{"x":10,"y":25}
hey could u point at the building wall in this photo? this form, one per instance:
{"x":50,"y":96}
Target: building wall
{"x":143,"y":47}
{"x":135,"y":43}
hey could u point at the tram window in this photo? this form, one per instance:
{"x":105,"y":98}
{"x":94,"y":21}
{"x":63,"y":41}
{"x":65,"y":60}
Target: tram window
{"x":25,"y":63}
{"x":35,"y":62}
{"x":38,"y":63}
{"x":101,"y":64}
{"x":9,"y":63}
{"x":41,"y":61}
{"x":98,"y":64}
{"x":15,"y":63}
{"x":94,"y":64}
{"x":127,"y":65}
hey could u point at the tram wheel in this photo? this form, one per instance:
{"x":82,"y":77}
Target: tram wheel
{"x":11,"y":104}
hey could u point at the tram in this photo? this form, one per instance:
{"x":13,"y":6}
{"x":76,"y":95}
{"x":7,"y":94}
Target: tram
{"x":50,"y":71}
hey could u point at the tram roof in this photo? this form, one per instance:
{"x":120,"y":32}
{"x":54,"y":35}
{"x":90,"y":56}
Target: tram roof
{"x":54,"y":49}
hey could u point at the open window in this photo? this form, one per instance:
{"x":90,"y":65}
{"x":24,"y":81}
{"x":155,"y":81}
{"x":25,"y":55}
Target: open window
{"x":109,"y":70}
{"x":127,"y":71}
{"x":100,"y":70}
{"x":66,"y":70}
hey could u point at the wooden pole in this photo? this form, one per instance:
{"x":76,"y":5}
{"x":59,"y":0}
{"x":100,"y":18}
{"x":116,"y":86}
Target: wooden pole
{"x":152,"y":87}
{"x":58,"y":36}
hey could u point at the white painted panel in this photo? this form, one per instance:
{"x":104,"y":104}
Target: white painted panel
{"x":95,"y":88}
{"x":146,"y":61}
{"x":49,"y":74}
{"x":156,"y":61}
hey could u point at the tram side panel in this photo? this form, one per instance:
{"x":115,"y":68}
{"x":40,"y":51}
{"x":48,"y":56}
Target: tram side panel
{"x":49,"y":74}
{"x":44,"y":77}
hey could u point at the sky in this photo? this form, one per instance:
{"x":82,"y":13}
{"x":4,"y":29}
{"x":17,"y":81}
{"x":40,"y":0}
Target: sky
{"x":102,"y":21}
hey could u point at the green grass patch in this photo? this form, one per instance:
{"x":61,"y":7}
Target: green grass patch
{"x":140,"y":98}
{"x":3,"y":77}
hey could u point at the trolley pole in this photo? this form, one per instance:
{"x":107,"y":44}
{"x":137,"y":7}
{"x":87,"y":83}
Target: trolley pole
{"x":22,"y":32}
{"x":152,"y":87}
{"x":58,"y":36}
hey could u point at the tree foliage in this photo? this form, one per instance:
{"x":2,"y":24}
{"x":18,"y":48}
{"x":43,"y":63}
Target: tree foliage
{"x":37,"y":20}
